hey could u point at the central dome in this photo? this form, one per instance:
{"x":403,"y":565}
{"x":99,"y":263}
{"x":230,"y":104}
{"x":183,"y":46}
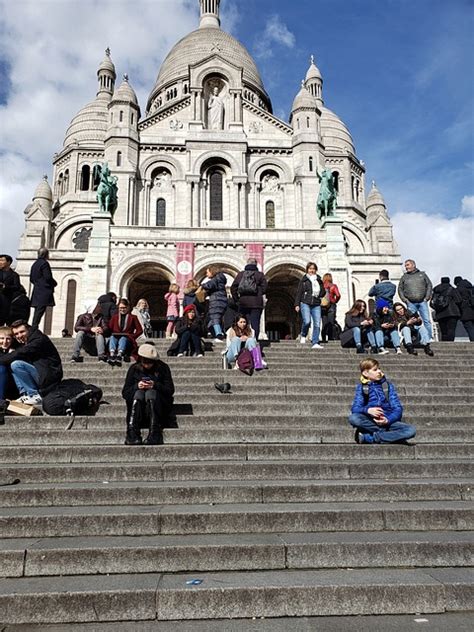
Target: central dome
{"x":199,"y":45}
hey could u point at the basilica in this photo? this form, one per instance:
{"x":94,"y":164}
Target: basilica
{"x":205,"y":174}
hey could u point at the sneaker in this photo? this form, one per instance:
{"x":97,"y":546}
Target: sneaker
{"x":411,"y":350}
{"x":398,"y":351}
{"x":317,"y":346}
{"x":77,"y":358}
{"x":373,"y":351}
{"x":218,"y":340}
{"x":118,"y":360}
{"x":383,"y":351}
{"x":357,"y":435}
{"x":102,"y":358}
{"x":360,"y":349}
{"x":428,"y":350}
{"x":302,"y":340}
{"x":180,"y":355}
{"x":32,"y":400}
{"x":198,"y":355}
{"x":111,"y":360}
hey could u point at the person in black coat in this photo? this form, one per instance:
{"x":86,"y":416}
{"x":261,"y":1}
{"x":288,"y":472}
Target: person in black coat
{"x":43,"y":283}
{"x":250,"y":304}
{"x":466,"y":291}
{"x":446,"y":302}
{"x":217,"y":297}
{"x":35,"y":363}
{"x":189,"y":330}
{"x":308,"y":303}
{"x":108,"y":305}
{"x":148,"y":392}
{"x":9,"y":286}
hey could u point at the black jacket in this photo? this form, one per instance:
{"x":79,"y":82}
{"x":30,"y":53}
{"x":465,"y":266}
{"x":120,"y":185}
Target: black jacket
{"x":108,"y":306}
{"x":162,"y":382}
{"x":43,"y":355}
{"x":43,"y":284}
{"x":250,"y":301}
{"x":9,"y":286}
{"x":304,"y":293}
{"x":464,"y":287}
{"x":453,"y":310}
{"x":382,"y":319}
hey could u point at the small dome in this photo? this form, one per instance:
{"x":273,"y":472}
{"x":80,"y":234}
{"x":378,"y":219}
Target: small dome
{"x":335,"y":134}
{"x":303,"y":99}
{"x":313,"y":71}
{"x":43,"y":190}
{"x":107,"y":63}
{"x":125,"y":92}
{"x":375,"y":198}
{"x":89,"y":126}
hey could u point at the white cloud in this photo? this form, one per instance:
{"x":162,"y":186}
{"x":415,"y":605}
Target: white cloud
{"x":441,"y":246}
{"x":52,"y":51}
{"x":467,"y":205}
{"x":276,"y":32}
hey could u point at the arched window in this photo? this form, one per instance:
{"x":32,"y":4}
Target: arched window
{"x":311,"y":163}
{"x":85,"y":178}
{"x":121,"y":116}
{"x":119,"y":159}
{"x":216,"y":195}
{"x":353,"y":187}
{"x":70,"y":305}
{"x":160,"y":212}
{"x":60,"y":184}
{"x":357,"y":188}
{"x":335,"y":175}
{"x":307,"y":121}
{"x":132,"y":119}
{"x":66,"y":181}
{"x":270,"y":214}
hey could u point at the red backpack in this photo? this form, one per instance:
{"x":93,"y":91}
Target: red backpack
{"x":245,"y":362}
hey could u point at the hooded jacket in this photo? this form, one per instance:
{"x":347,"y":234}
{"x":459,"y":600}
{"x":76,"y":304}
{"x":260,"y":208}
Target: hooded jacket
{"x":453,"y":309}
{"x":465,"y":289}
{"x":415,"y":287}
{"x":393,"y":409}
{"x":385,"y":289}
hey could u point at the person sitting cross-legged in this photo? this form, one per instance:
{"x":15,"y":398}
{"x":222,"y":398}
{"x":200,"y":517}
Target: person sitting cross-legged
{"x":91,"y":330}
{"x":376,"y":410}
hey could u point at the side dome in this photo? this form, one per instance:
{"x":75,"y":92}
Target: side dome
{"x":303,"y":99}
{"x":336,"y":136}
{"x":125,"y":92}
{"x":43,"y":190}
{"x":89,"y":126}
{"x":199,"y":45}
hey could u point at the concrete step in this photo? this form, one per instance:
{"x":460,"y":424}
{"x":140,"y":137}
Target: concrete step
{"x":388,"y":469}
{"x":243,"y":452}
{"x":197,"y":553}
{"x":218,"y":492}
{"x":43,"y":522}
{"x":235,"y":594}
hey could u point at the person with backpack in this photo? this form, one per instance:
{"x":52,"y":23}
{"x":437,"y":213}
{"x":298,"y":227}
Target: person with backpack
{"x":248,"y":291}
{"x":328,"y":308}
{"x":376,"y":412}
{"x":446,"y":303}
{"x":308,"y":303}
{"x":148,"y":392}
{"x":466,"y":291}
{"x":383,"y":288}
{"x":239,"y":337}
{"x":215,"y":287}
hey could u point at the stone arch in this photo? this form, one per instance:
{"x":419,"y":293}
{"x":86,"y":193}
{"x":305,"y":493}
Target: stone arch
{"x":124,"y":271}
{"x":280,"y":316}
{"x":167,"y":162}
{"x":282,"y":169}
{"x":217,"y":154}
{"x":355,"y":237}
{"x":67,"y":225}
{"x":231,"y":263}
{"x":227,"y":268}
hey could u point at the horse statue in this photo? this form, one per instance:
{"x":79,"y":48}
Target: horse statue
{"x":327,"y":198}
{"x":106,"y":189}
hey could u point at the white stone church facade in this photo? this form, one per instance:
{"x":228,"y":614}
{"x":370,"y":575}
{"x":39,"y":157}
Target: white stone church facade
{"x":207,"y":175}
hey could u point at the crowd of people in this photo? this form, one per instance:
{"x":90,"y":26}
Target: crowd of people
{"x":109,"y":328}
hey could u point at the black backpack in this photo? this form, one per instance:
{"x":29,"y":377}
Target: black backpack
{"x":72,"y":397}
{"x":439,"y":302}
{"x":248,"y":284}
{"x":385,"y":387}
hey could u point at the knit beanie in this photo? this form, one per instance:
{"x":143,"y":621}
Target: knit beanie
{"x":381,"y":303}
{"x":189,"y":308}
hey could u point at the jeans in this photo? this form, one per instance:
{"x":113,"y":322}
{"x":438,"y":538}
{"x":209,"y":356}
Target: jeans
{"x":357,"y":335}
{"x":424,"y":311}
{"x":26,"y":377}
{"x":310,"y":313}
{"x":122,"y":343}
{"x":191,"y":341}
{"x":3,"y":380}
{"x":217,"y":329}
{"x":88,"y":342}
{"x":397,"y":431}
{"x":380,"y":338}
{"x":408,"y":338}
{"x":254,"y":315}
{"x":235,"y":346}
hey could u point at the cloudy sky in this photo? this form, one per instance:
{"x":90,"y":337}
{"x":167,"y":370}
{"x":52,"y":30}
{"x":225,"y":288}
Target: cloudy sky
{"x":398,"y":72}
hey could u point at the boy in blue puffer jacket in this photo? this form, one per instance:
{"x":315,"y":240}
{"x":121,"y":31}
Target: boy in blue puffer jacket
{"x":376,"y":409}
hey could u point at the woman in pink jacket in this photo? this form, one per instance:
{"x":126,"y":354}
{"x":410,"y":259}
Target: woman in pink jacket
{"x":172,"y":309}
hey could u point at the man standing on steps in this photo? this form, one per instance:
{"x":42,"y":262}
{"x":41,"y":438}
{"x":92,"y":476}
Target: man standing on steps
{"x":43,"y":283}
{"x":9,"y":286}
{"x":415,"y":289}
{"x":35,"y":363}
{"x":384,"y":288}
{"x":248,"y":291}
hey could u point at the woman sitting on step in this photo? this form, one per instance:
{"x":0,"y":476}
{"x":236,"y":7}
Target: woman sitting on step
{"x":148,"y":391}
{"x":242,"y":336}
{"x":189,"y":329}
{"x":359,"y":327}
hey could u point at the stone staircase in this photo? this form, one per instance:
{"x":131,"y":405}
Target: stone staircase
{"x":262,"y":495}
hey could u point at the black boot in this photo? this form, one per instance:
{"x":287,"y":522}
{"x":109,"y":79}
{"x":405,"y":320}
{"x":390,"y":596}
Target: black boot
{"x":411,"y":350}
{"x":134,"y":436}
{"x":155,"y":436}
{"x":428,"y":350}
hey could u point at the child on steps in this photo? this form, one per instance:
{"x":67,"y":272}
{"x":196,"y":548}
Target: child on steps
{"x":172,"y":309}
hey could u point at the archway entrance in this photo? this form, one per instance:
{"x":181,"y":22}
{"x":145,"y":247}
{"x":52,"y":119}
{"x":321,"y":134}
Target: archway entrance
{"x":151,"y":283}
{"x":281,"y":320}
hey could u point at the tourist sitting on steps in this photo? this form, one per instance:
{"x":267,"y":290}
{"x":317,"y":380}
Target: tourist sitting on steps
{"x":7,"y":385}
{"x":385,"y":327}
{"x":91,"y":331}
{"x":125,"y":328}
{"x":359,"y":328}
{"x":411,"y":329}
{"x":242,"y":336}
{"x":148,"y":392}
{"x":189,"y":329}
{"x":376,"y":412}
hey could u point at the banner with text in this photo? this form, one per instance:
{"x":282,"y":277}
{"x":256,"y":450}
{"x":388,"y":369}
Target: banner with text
{"x":255,"y":251}
{"x":184,"y":264}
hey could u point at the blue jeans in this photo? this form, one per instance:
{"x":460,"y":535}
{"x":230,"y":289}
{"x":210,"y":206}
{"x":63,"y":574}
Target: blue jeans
{"x":122,"y":343}
{"x":357,"y":335}
{"x":380,"y":337}
{"x":235,"y":346}
{"x":407,"y":337}
{"x":424,"y":311}
{"x":3,"y":380}
{"x":189,"y":341}
{"x":397,"y":431}
{"x":310,"y":313}
{"x":26,"y":377}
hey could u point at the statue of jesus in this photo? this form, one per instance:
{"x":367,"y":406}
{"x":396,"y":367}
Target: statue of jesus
{"x":215,"y":110}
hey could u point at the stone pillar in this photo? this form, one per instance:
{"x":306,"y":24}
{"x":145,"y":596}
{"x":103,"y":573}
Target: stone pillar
{"x":195,"y":201}
{"x":203,"y":191}
{"x":236,"y":110}
{"x":96,"y":264}
{"x":337,"y":260}
{"x":196,"y":105}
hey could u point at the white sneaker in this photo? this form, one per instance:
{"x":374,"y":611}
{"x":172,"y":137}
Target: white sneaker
{"x":383,"y":351}
{"x":180,"y":355}
{"x":399,"y":351}
{"x":302,"y":340}
{"x":198,"y":355}
{"x":317,"y":346}
{"x":218,"y":340}
{"x":32,"y":400}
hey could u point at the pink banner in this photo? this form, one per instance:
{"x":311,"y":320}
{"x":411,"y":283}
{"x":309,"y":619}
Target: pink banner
{"x":184,"y":264}
{"x":255,"y":251}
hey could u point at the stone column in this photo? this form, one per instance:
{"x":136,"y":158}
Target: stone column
{"x":96,"y":264}
{"x":196,"y":104}
{"x":195,"y":201}
{"x":337,"y":260}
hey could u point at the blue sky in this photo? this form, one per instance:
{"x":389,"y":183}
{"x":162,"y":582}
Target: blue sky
{"x":398,"y":72}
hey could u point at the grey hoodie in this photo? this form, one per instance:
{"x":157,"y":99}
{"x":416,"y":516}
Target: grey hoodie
{"x":415,"y":287}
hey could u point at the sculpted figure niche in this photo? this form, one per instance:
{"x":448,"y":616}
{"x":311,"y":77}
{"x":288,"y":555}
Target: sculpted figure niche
{"x":215,"y":109}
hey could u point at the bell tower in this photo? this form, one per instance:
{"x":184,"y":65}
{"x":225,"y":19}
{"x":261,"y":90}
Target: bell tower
{"x":209,"y":14}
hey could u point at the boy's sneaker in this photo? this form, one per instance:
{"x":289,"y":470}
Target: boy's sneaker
{"x":32,"y":400}
{"x":360,"y":349}
{"x":398,"y":351}
{"x":360,"y":437}
{"x":428,"y":350}
{"x":383,"y":351}
{"x":317,"y":346}
{"x":357,"y":435}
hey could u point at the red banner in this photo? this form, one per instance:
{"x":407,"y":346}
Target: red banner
{"x":255,"y":251}
{"x":184,"y":264}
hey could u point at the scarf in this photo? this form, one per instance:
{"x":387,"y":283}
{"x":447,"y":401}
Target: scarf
{"x":314,"y":282}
